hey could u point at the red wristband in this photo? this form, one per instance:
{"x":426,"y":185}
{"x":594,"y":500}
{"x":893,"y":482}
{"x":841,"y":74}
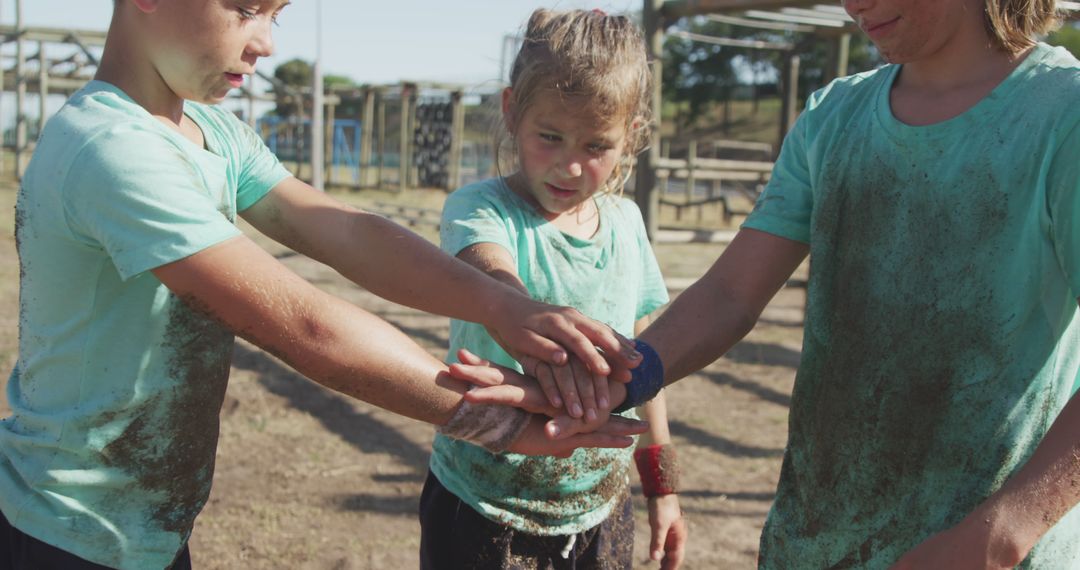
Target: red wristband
{"x":658,"y":468}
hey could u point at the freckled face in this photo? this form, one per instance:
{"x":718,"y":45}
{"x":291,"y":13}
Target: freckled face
{"x":565,"y":155}
{"x":203,"y":48}
{"x":906,"y":31}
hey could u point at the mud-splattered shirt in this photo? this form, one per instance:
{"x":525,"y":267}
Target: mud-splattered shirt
{"x":612,"y":277}
{"x":940,"y":340}
{"x":109,"y":453}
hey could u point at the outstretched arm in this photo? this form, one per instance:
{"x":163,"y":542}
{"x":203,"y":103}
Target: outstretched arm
{"x":704,"y":321}
{"x":717,"y":311}
{"x":331,"y":341}
{"x":1005,"y":527}
{"x":398,"y":265}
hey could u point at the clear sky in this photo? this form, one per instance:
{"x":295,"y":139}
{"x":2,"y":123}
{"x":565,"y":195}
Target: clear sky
{"x":368,"y":41}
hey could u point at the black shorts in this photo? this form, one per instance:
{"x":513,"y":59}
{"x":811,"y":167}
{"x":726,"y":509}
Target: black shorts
{"x":20,"y":551}
{"x":453,"y":536}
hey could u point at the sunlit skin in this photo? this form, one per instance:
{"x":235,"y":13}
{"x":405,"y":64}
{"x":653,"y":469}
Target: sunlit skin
{"x":565,"y":156}
{"x":169,"y":51}
{"x":949,"y":61}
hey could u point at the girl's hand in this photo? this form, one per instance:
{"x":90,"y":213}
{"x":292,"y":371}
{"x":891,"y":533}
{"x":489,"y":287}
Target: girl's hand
{"x":669,"y":531}
{"x":525,"y":327}
{"x":582,"y":393}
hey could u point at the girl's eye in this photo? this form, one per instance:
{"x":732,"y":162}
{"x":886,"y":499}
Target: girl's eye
{"x":598,"y":148}
{"x":550,"y":137}
{"x":246,"y":14}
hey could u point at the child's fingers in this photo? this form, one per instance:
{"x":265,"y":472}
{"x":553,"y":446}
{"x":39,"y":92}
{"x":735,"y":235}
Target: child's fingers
{"x":618,"y":425}
{"x":603,"y":395}
{"x":466,"y":357}
{"x":575,"y":332}
{"x":564,"y":426}
{"x":675,"y":546}
{"x":531,"y":400}
{"x":616,"y":433}
{"x":544,"y":376}
{"x":583,"y":379}
{"x":538,"y":345}
{"x":619,"y":351}
{"x":564,"y":379}
{"x":477,"y":375}
{"x":597,"y":439}
{"x":658,"y":534}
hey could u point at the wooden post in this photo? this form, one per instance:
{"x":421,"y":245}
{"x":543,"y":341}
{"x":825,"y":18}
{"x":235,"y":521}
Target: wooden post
{"x":403,"y":143}
{"x":457,"y":136}
{"x":2,"y":122}
{"x":662,"y":182}
{"x":788,"y":112}
{"x":328,"y":143}
{"x":843,"y":51}
{"x":414,"y":176}
{"x":645,"y":193}
{"x":43,"y":87}
{"x":382,"y":136}
{"x":367,"y":123}
{"x":20,"y":93}
{"x":301,"y":148}
{"x":251,"y":102}
{"x":691,"y":176}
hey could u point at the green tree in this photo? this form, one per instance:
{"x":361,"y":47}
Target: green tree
{"x":702,"y":75}
{"x":299,"y":74}
{"x":1068,"y":37}
{"x":697,"y":73}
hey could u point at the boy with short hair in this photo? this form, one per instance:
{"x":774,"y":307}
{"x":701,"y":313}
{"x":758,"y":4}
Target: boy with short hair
{"x":135,"y":278}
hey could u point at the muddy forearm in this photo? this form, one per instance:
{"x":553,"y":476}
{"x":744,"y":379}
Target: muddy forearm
{"x":1043,"y":491}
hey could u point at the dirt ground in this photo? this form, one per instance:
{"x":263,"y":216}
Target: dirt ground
{"x":308,"y":479}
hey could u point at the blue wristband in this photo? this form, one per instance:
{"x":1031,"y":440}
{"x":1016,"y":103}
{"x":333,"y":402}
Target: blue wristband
{"x":646,"y":379}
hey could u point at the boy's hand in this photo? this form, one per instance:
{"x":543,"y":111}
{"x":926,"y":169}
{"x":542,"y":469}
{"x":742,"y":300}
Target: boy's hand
{"x":525,"y":328}
{"x":970,"y":545}
{"x":669,"y":531}
{"x":614,"y":433}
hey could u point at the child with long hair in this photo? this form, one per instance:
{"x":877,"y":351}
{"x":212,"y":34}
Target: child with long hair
{"x":576,"y":112}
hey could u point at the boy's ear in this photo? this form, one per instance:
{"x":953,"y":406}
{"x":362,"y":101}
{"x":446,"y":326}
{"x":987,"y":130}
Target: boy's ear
{"x":507,"y":107}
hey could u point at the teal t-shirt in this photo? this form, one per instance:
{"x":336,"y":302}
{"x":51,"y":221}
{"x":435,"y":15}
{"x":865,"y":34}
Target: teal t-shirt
{"x":109,"y":451}
{"x":612,"y":277}
{"x":940,"y":339}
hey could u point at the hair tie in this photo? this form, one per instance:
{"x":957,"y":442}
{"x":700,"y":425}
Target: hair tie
{"x":599,"y":11}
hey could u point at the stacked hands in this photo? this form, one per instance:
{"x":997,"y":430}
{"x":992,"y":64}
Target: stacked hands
{"x":570,"y":395}
{"x":564,"y":402}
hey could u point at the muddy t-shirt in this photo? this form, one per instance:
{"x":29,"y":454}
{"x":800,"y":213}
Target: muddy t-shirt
{"x":612,"y":277}
{"x":109,"y":451}
{"x":940,"y":339}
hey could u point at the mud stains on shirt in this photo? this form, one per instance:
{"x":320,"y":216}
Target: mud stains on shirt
{"x":169,"y":447}
{"x":940,"y":337}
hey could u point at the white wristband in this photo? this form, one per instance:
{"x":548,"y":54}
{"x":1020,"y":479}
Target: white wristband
{"x":493,"y":427}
